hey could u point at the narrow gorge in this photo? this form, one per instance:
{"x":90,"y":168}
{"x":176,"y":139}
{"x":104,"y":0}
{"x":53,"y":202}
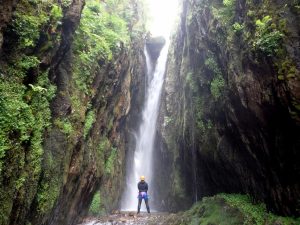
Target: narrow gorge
{"x":92,"y":97}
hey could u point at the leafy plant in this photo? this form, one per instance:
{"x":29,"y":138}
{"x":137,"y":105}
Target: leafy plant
{"x":237,"y":27}
{"x":268,"y":38}
{"x":229,"y":3}
{"x":90,"y":119}
{"x":218,"y":83}
{"x":211,"y":64}
{"x":255,"y":213}
{"x":269,"y":42}
{"x":21,"y":65}
{"x":167,"y":120}
{"x":56,"y":12}
{"x":190,"y":81}
{"x":27,"y":26}
{"x":233,"y":209}
{"x":64,"y":125}
{"x":66,"y":3}
{"x":216,"y":86}
{"x":225,"y":14}
{"x":100,"y":34}
{"x":110,"y":163}
{"x":24,"y":115}
{"x":47,"y":195}
{"x":252,"y":212}
{"x":96,"y":207}
{"x":104,"y":144}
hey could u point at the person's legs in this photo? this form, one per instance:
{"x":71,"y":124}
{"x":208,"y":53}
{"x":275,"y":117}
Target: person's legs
{"x":139,"y":205}
{"x":147,"y":205}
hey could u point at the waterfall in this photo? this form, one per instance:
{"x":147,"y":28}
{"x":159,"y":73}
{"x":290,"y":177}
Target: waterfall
{"x":145,"y":136}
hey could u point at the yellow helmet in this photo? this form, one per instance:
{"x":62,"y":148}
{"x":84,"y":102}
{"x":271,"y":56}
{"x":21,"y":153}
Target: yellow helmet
{"x":142,"y":178}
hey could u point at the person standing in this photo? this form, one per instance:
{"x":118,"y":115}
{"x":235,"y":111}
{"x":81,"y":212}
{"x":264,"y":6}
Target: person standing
{"x":143,"y":189}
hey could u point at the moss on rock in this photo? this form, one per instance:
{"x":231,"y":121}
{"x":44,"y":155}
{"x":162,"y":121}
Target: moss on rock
{"x":228,"y":209}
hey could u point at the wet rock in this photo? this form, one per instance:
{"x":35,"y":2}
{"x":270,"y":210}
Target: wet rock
{"x":68,"y":168}
{"x":115,"y":212}
{"x":154,"y":46}
{"x":228,"y":119}
{"x":142,"y":219}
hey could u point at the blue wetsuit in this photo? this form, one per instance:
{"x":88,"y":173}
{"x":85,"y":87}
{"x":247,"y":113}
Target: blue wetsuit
{"x":143,"y":189}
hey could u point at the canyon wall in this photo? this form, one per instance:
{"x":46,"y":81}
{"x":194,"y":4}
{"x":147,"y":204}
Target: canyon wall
{"x":70,"y":73}
{"x":230,"y":116}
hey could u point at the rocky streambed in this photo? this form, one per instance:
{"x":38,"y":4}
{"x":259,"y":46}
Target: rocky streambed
{"x":128,"y":218}
{"x":222,"y":209}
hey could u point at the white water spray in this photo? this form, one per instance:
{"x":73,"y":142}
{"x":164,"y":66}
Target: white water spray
{"x":142,"y":164}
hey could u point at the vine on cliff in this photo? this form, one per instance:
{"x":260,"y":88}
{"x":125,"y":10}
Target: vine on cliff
{"x":268,"y":37}
{"x":101,"y":33}
{"x":26,"y":93}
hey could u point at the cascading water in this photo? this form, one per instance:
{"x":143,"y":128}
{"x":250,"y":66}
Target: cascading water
{"x":142,"y":163}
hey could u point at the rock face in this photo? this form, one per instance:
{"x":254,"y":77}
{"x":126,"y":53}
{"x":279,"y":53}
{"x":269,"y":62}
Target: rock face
{"x":230,"y":111}
{"x":6,"y":10}
{"x":227,"y":209}
{"x":154,"y":46}
{"x":64,"y":106}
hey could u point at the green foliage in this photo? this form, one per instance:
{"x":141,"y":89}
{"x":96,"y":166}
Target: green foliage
{"x":237,"y":27}
{"x":40,"y":106}
{"x":269,"y":43}
{"x":229,"y":3}
{"x":110,"y":163}
{"x":286,"y":69}
{"x":96,"y":207}
{"x":24,"y":109}
{"x":229,"y":209}
{"x":263,"y":24}
{"x":110,"y":123}
{"x":101,"y":33}
{"x":211,"y":64}
{"x":204,"y":126}
{"x":21,"y":65}
{"x":50,"y":183}
{"x":20,"y":120}
{"x":15,"y":115}
{"x":217,"y":86}
{"x":268,"y":38}
{"x":27,"y":62}
{"x":24,"y":115}
{"x":89,"y":120}
{"x":211,"y":210}
{"x":218,"y":83}
{"x":104,"y":144}
{"x":190,"y":81}
{"x":47,"y":195}
{"x":66,"y":3}
{"x":255,"y":214}
{"x":64,"y":125}
{"x":56,"y":13}
{"x":167,"y":120}
{"x":251,"y":13}
{"x":37,"y":88}
{"x":226,"y":13}
{"x":200,"y":124}
{"x":33,"y":18}
{"x":28,"y":28}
